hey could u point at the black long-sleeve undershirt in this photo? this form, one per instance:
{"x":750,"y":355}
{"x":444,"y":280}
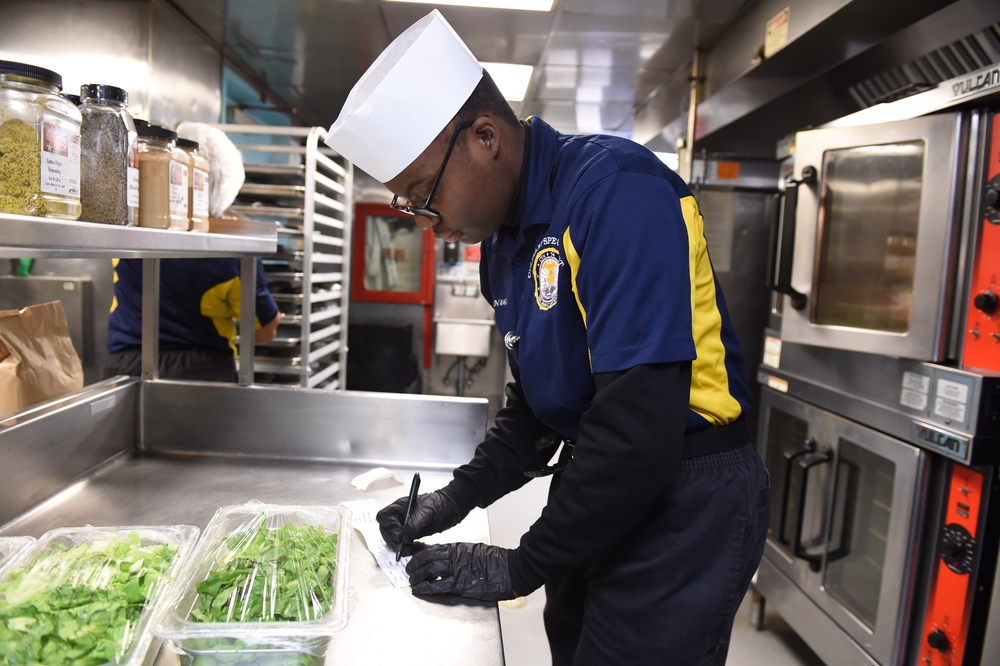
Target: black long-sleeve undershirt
{"x":626,"y":456}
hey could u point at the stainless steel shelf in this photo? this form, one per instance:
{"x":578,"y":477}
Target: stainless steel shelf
{"x":309,"y":189}
{"x":22,"y":236}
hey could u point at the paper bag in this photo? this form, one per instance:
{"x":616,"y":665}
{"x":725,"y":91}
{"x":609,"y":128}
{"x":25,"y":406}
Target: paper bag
{"x":37,"y":358}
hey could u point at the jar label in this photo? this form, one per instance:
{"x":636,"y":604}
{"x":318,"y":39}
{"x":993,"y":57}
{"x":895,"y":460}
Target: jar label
{"x":60,"y":157}
{"x":178,"y":190}
{"x":199,"y":207}
{"x":133,"y":188}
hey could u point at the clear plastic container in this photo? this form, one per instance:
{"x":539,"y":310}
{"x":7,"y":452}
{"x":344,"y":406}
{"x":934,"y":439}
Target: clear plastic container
{"x":103,"y":588}
{"x":39,"y":144}
{"x":156,"y":146}
{"x":212,"y":617}
{"x":198,"y":185}
{"x":109,"y":174}
{"x":11,"y":546}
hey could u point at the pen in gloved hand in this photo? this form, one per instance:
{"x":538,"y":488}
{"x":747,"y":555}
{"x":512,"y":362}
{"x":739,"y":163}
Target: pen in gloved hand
{"x":414,"y":487}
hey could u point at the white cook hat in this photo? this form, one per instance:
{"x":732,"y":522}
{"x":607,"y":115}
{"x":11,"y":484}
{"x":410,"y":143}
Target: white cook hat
{"x":384,"y":125}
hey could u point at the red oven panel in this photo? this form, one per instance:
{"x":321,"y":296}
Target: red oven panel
{"x":946,"y":625}
{"x":982,"y":335}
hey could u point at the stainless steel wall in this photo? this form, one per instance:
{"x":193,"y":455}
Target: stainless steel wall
{"x":172,"y":73}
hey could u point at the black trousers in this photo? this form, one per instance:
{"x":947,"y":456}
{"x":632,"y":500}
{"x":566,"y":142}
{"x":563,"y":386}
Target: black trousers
{"x":195,"y":363}
{"x":669,"y":592}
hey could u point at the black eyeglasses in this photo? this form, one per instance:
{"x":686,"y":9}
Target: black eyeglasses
{"x":425,"y":208}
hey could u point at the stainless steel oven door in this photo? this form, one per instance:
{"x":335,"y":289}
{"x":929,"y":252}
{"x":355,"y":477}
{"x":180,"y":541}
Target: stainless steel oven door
{"x":877,"y":213}
{"x":845,"y":518}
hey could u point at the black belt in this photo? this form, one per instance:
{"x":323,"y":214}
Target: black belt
{"x":714,"y":439}
{"x":717,"y":439}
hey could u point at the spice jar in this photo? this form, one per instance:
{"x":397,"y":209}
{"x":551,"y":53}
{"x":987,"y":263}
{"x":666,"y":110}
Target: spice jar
{"x":109,"y":177}
{"x":180,"y":176}
{"x":197,"y":185}
{"x":39,"y":144}
{"x":156,"y":146}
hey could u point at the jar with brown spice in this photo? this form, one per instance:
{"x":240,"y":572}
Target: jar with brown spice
{"x":156,"y":146}
{"x":180,"y":177}
{"x":109,"y":187}
{"x":197,"y":185}
{"x":39,"y":144}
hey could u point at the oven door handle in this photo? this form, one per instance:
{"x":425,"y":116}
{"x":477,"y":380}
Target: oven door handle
{"x":809,"y":446}
{"x":822,"y":458}
{"x":780,"y":273}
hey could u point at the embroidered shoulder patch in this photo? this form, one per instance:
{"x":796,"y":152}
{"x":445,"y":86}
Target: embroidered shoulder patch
{"x":545,"y":271}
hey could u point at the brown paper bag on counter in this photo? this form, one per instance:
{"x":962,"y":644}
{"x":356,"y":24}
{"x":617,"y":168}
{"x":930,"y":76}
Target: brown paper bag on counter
{"x":37,"y":358}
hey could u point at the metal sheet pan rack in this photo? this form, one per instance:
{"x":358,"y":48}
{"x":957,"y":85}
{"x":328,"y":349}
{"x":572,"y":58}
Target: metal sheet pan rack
{"x":307,"y":189}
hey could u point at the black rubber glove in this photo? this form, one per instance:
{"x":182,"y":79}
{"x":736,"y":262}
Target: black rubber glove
{"x":470,"y":570}
{"x":432,"y":513}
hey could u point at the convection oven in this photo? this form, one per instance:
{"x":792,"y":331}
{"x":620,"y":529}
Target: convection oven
{"x":888,"y":240}
{"x":884,"y":529}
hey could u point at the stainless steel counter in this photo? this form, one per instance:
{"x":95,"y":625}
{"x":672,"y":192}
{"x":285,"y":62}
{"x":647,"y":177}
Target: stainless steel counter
{"x":384,"y":625}
{"x":74,"y":462}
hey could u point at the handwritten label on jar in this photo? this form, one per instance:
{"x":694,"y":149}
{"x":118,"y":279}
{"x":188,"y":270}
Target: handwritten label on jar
{"x":60,"y":157}
{"x":178,"y":189}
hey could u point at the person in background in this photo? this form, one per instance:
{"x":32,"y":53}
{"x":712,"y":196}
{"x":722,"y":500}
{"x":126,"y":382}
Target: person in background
{"x":199,"y":308}
{"x":620,"y":347}
{"x":199,"y":298}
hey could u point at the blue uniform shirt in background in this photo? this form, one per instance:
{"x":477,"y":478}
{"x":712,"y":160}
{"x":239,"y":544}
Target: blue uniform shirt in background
{"x":609,"y":269}
{"x":199,"y":303}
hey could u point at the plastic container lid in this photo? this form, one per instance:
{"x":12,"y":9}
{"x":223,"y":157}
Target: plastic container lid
{"x":187,"y":143}
{"x":238,"y":535}
{"x":99,"y":91}
{"x":100,"y":565}
{"x":155,"y":131}
{"x":30,"y":72}
{"x":11,"y":546}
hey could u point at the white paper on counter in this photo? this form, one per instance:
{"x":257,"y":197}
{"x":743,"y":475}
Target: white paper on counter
{"x":378,"y":478}
{"x":363,"y":520}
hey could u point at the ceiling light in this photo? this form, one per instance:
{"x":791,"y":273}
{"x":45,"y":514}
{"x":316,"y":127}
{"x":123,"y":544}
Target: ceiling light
{"x":512,"y":80}
{"x":527,"y":5}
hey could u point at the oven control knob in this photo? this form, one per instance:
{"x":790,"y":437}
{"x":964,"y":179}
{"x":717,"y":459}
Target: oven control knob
{"x":938,"y":640}
{"x":986,"y":301}
{"x":957,"y":548}
{"x":991,"y":198}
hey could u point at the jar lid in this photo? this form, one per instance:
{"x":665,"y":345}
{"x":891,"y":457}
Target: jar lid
{"x":74,"y":99}
{"x":187,"y":143}
{"x":30,"y":72}
{"x":156,"y":132}
{"x":99,"y":91}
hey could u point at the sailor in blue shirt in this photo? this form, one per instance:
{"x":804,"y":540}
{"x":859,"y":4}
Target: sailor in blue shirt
{"x":595,"y":262}
{"x":199,"y":308}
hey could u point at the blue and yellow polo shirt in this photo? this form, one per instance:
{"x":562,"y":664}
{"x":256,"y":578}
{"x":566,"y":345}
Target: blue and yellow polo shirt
{"x":609,"y":269}
{"x":199,"y":303}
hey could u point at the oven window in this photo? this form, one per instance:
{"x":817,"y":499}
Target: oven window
{"x":392,"y":254}
{"x":868,"y":217}
{"x":859,"y":530}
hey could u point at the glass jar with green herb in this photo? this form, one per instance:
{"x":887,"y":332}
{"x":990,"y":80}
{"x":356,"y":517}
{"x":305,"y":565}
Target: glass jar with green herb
{"x":109,"y":177}
{"x":39,"y":144}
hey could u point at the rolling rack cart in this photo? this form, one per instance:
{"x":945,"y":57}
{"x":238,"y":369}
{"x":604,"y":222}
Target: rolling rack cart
{"x":307,"y":189}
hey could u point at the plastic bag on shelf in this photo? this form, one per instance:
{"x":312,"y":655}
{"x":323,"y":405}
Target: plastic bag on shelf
{"x":226,"y":174}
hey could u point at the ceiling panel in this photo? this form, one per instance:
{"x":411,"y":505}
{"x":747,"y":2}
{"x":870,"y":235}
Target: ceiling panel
{"x":595,"y":60}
